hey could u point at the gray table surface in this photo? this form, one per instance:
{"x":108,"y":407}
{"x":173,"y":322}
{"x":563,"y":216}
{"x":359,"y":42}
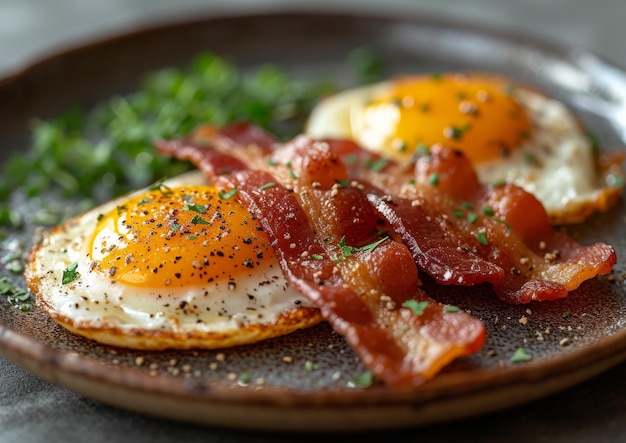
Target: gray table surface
{"x":34,"y":410}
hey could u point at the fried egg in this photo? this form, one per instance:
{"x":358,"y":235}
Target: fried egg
{"x":179,"y":265}
{"x":509,"y":133}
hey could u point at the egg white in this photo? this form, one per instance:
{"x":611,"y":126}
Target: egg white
{"x":555,"y":163}
{"x":254,"y":305}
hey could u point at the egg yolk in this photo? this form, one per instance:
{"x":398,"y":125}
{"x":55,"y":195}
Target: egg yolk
{"x":177,"y":237}
{"x":475,"y":114}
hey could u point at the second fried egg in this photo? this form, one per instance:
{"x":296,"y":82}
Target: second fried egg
{"x":509,"y":133}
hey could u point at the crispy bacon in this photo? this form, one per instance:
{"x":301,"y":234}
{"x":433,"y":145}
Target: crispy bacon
{"x":328,"y":201}
{"x":502,"y":223}
{"x":323,"y":236}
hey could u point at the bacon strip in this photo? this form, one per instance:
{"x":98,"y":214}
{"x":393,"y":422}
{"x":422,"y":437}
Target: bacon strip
{"x":503,"y":224}
{"x":357,"y":290}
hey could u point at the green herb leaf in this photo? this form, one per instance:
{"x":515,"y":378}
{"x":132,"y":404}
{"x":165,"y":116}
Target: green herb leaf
{"x":267,"y":185}
{"x":451,"y":309}
{"x":226,"y":195}
{"x":488,"y":210}
{"x":521,"y":355}
{"x":417,"y":307}
{"x":160,"y":186}
{"x":363,"y":380}
{"x":197,"y":220}
{"x":377,"y":165}
{"x":471,"y":217}
{"x":200,"y":209}
{"x":70,"y":274}
{"x":566,"y":314}
{"x":433,"y":179}
{"x":481,"y":236}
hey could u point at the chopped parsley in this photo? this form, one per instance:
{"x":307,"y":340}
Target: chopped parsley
{"x":16,"y":297}
{"x":200,"y":209}
{"x":377,"y":165}
{"x":197,"y":220}
{"x":481,"y":236}
{"x":433,"y":179}
{"x":70,"y":274}
{"x":267,"y":185}
{"x":347,"y":250}
{"x":450,"y":309}
{"x":456,"y":132}
{"x":417,"y":307}
{"x":521,"y":355}
{"x":161,"y":187}
{"x":108,"y":150}
{"x":225,"y":195}
{"x":566,"y":314}
{"x":363,"y":380}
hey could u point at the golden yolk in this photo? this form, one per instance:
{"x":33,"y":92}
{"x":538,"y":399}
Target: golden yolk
{"x":179,"y":237}
{"x":475,"y":114}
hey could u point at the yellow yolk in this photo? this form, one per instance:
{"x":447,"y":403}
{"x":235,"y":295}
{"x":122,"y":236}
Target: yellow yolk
{"x":476,"y":115}
{"x":178,"y":237}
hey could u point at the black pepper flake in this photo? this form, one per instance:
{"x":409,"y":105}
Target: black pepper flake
{"x":178,"y":275}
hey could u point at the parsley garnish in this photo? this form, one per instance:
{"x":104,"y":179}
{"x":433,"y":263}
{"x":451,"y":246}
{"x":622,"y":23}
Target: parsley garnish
{"x":422,"y":149}
{"x":197,"y":220}
{"x":347,"y":251}
{"x":309,"y":366}
{"x":17,"y":297}
{"x":317,"y":257}
{"x":267,"y":185}
{"x":481,"y":236}
{"x":451,"y":309}
{"x":107,"y":151}
{"x":566,"y":314}
{"x":70,"y":274}
{"x":160,"y":186}
{"x":362,"y":381}
{"x":433,"y":179}
{"x":377,"y":165}
{"x":417,"y":307}
{"x":456,"y":132}
{"x":144,"y":201}
{"x":200,"y":209}
{"x":471,"y":217}
{"x":521,"y":355}
{"x":226,"y":195}
{"x":292,"y":174}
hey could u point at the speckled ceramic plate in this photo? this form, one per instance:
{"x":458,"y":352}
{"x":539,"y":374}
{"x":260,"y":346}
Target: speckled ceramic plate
{"x":282,"y":394}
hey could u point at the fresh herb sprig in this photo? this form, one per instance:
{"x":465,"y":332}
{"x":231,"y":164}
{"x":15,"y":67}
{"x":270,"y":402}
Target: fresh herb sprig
{"x":109,"y":150}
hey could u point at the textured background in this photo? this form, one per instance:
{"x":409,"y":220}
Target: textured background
{"x":33,"y":410}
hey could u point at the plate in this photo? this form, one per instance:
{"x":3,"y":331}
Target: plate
{"x":203,"y":386}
